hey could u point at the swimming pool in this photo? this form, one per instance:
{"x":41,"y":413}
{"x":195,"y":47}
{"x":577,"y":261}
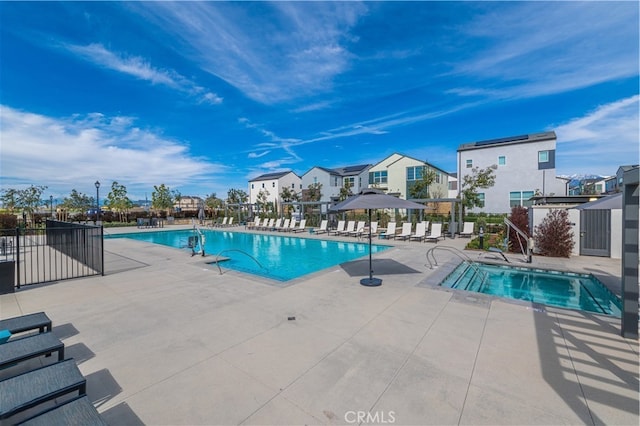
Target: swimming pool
{"x":562,"y":289}
{"x":280,"y":257}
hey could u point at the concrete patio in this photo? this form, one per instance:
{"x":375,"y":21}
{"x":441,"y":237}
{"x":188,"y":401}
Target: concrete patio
{"x":164,"y":339}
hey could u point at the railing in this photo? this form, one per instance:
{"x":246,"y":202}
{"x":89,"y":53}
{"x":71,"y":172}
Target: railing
{"x":217,"y":261}
{"x":520,"y":233}
{"x":458,"y":253}
{"x":60,"y":251}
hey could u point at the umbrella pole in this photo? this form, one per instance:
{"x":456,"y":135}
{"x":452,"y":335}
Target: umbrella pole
{"x":370,"y":282}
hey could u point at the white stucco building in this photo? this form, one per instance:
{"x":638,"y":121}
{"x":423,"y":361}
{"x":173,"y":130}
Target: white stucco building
{"x":525,"y":166}
{"x":334,"y":179}
{"x":272,"y":185}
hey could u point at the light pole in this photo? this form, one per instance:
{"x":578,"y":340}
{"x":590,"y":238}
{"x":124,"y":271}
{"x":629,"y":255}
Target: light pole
{"x":51,"y":205}
{"x":97,"y":201}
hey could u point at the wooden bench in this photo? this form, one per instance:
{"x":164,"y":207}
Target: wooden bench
{"x":78,"y":411}
{"x":18,"y":350}
{"x":34,"y":387}
{"x":28,"y":322}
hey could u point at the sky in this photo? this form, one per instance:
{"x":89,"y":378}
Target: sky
{"x":205,"y":96}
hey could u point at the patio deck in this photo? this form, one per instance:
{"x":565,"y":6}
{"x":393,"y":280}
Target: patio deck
{"x":164,"y":339}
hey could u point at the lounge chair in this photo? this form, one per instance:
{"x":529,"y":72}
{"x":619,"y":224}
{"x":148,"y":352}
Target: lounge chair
{"x":390,"y":232}
{"x":268,"y":224}
{"x":406,"y":231}
{"x":351,"y":226}
{"x":374,"y":228}
{"x":284,"y":226}
{"x":27,"y":390}
{"x":29,"y":347}
{"x":467,"y":230}
{"x":28,"y":322}
{"x":77,"y":411}
{"x":421,"y":232}
{"x":292,"y":225}
{"x":339,"y":228}
{"x":303,"y":225}
{"x":323,"y":227}
{"x":436,"y":233}
{"x":230,"y":222}
{"x":359,"y":229}
{"x":276,"y":225}
{"x":223,"y":223}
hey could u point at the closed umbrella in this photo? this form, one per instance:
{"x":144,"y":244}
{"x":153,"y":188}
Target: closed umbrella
{"x":370,"y":199}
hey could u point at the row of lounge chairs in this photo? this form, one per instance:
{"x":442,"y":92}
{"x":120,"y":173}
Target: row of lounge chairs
{"x":282,"y":225}
{"x":226,"y":222}
{"x":30,"y":390}
{"x":421,"y":233}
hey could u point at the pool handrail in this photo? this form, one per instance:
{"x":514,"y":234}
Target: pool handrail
{"x":217,"y":261}
{"x":458,"y":253}
{"x":520,"y":233}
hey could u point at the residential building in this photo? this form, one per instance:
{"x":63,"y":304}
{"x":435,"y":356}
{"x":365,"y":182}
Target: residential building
{"x":272,"y":184}
{"x":188,"y":203}
{"x":397,"y":173}
{"x":619,"y":184}
{"x":525,"y":166}
{"x":452,"y":186}
{"x":334,"y":179}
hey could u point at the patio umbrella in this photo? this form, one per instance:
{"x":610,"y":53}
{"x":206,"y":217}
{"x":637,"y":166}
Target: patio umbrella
{"x":370,"y":199}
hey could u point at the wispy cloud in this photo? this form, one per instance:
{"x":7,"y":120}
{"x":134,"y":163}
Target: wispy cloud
{"x":604,"y":137}
{"x":75,"y":151}
{"x":537,"y":48}
{"x":142,"y":69}
{"x":293,"y":49}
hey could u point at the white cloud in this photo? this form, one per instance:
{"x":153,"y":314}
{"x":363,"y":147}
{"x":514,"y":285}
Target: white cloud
{"x":601,"y":140}
{"x":73,"y":152}
{"x":293,"y":50}
{"x":140,"y":68}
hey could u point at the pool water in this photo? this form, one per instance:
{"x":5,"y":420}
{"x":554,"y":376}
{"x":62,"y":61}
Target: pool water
{"x":280,"y":258}
{"x":562,"y":289}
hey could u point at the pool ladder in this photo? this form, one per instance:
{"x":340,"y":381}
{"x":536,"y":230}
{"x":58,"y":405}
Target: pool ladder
{"x":466,"y":259}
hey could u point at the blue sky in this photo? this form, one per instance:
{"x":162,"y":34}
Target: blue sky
{"x":204,"y":96}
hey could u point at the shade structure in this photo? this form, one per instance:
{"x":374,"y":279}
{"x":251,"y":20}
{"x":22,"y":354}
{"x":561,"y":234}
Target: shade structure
{"x":370,"y":199}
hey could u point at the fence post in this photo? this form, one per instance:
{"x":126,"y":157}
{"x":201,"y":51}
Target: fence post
{"x":102,"y":250}
{"x":17,"y":246}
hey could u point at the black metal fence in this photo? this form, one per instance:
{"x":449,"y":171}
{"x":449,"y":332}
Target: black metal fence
{"x":57,"y":252}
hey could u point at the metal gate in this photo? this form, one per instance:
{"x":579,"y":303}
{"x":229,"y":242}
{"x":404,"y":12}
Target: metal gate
{"x":595,"y":232}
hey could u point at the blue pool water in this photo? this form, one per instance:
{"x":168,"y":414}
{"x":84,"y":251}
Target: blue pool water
{"x":562,"y":289}
{"x":281,"y":258}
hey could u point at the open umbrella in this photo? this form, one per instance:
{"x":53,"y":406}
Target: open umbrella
{"x":374,"y":199}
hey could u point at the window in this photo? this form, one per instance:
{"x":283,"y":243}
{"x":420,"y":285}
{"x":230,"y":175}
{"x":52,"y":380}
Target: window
{"x":351,"y":181}
{"x":502,"y":160}
{"x":438,"y":177}
{"x":453,"y":185}
{"x":251,"y":186}
{"x":543,"y":156}
{"x":315,"y":179}
{"x":520,"y":198}
{"x":273,"y":185}
{"x":481,"y":199}
{"x":414,"y":173}
{"x":335,"y":181}
{"x":293,"y":186}
{"x":469,"y":164}
{"x":263,"y":184}
{"x":378,"y":177}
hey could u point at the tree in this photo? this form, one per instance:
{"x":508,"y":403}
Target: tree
{"x":554,"y":236}
{"x":313,"y":192}
{"x":30,"y":198}
{"x":237,"y":196}
{"x":118,"y":201}
{"x":9,"y":199}
{"x":162,"y":198}
{"x":345,"y":191}
{"x":213,"y":202}
{"x":261,"y":200}
{"x":420,"y":188}
{"x":288,"y":195}
{"x":78,"y":202}
{"x":478,"y":179}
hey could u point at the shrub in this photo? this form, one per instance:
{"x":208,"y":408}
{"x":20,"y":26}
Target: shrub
{"x":520,"y":218}
{"x":8,"y":221}
{"x":554,"y":236}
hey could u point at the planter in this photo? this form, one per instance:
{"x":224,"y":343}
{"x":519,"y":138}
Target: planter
{"x":7,"y":277}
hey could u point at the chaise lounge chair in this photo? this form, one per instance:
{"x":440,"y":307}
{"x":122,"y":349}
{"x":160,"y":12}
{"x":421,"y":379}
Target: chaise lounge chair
{"x":467,"y":230}
{"x":323,"y":227}
{"x":303,"y":225}
{"x":33,"y":346}
{"x":351,"y":226}
{"x":339,"y":228}
{"x":77,"y":411}
{"x":436,"y":233}
{"x":28,"y":322}
{"x":27,"y":390}
{"x":390,"y":232}
{"x":406,"y":231}
{"x":359,"y":229}
{"x":421,"y":232}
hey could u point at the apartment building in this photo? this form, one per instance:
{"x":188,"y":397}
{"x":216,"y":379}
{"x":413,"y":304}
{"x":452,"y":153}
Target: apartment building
{"x":525,"y":166}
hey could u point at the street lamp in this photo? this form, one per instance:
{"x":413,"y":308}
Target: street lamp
{"x":97,"y":201}
{"x":51,"y":205}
